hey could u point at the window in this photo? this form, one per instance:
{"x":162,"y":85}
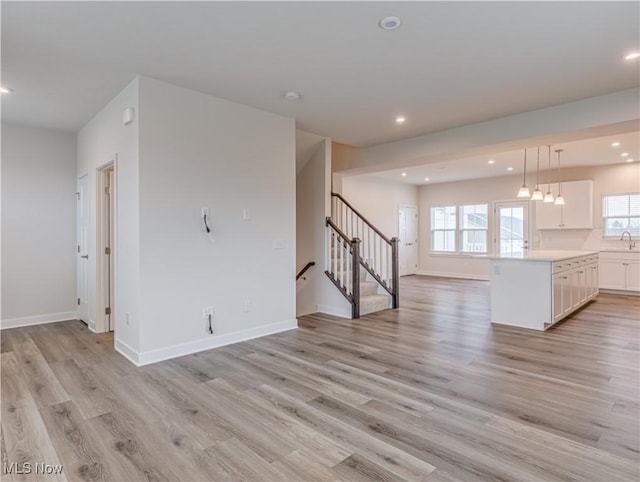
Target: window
{"x":621,"y":213}
{"x":474,"y":222}
{"x":443,"y":229}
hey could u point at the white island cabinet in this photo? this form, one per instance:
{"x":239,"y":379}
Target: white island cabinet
{"x":539,"y":288}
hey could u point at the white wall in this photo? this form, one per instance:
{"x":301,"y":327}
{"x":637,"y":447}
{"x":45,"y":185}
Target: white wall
{"x":613,"y":179}
{"x":38,"y":225}
{"x":313,"y":194}
{"x":310,"y":228}
{"x":103,"y":140}
{"x":200,"y":151}
{"x":379,"y":199}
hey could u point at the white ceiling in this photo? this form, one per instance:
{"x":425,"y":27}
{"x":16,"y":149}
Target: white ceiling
{"x":450,"y":64}
{"x":589,"y":152}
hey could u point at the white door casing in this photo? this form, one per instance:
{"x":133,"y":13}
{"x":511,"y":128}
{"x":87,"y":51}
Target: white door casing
{"x":408,"y":234}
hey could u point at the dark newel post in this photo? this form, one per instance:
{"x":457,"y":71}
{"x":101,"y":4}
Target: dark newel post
{"x":355,"y":277}
{"x":395,"y":273}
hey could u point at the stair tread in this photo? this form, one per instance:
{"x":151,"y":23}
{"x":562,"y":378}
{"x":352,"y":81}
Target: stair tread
{"x":379,"y":296}
{"x":370,"y":283}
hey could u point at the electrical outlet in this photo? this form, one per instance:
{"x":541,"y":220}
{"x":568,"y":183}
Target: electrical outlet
{"x":205,"y":212}
{"x":246,"y":214}
{"x":247,"y":306}
{"x":206,"y":311}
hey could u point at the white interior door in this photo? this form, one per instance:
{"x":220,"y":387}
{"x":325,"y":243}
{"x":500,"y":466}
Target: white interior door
{"x":408,"y":234}
{"x":512,"y":227}
{"x":82,"y":249}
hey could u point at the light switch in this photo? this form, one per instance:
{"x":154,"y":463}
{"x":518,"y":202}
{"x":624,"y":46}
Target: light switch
{"x":278,"y":243}
{"x":246,"y":214}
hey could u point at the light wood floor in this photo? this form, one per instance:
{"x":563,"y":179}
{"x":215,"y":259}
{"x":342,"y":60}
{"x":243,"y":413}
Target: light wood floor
{"x":427,"y":392}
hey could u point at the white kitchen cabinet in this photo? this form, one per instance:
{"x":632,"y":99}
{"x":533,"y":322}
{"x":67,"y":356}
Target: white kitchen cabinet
{"x":592,"y":279}
{"x":613,"y":274}
{"x":539,"y":288}
{"x":563,"y":295}
{"x":633,"y":275}
{"x":559,"y":301}
{"x":576,"y":213}
{"x":620,"y":271}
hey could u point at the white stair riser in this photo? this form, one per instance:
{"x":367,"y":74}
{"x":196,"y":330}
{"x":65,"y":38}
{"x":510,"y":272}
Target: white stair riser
{"x":368,"y":288}
{"x":373,"y":303}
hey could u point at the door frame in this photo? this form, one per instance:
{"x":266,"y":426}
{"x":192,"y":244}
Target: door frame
{"x":414,"y":269}
{"x":496,"y":221}
{"x":83,"y":205}
{"x":106,"y":229}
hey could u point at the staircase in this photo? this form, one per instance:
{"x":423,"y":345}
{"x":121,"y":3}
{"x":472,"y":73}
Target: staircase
{"x":361,"y":261}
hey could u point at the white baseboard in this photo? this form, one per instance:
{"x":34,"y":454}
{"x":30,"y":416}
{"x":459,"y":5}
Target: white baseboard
{"x":478,"y":277}
{"x":619,"y":292}
{"x":160,"y":354}
{"x":335,"y":311}
{"x":127,"y":352}
{"x":37,"y":320}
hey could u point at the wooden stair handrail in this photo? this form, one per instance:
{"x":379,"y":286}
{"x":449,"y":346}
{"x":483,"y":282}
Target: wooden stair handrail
{"x":359,"y":214}
{"x":305,"y":269}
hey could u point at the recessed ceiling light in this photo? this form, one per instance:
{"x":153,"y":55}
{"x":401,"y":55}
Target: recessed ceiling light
{"x":629,"y":160}
{"x":624,"y":154}
{"x":390,"y":23}
{"x":615,"y":144}
{"x":632,"y":56}
{"x":404,"y":174}
{"x":426,"y":178}
{"x":491,"y":161}
{"x":509,"y":168}
{"x":400,"y":119}
{"x":6,"y":90}
{"x":292,"y":95}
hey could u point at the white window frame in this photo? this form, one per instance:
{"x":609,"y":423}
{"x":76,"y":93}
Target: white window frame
{"x":462,"y":230}
{"x":454,"y":230}
{"x":605,"y":235}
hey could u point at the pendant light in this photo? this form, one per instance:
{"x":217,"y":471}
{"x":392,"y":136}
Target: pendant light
{"x":548,"y":198}
{"x":559,"y":198}
{"x":537,"y":194}
{"x":524,"y":190}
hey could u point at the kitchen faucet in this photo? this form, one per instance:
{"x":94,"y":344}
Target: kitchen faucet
{"x":631,"y":243}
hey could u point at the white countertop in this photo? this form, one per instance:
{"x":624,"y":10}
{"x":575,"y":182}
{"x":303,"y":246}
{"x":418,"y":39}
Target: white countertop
{"x":543,"y":255}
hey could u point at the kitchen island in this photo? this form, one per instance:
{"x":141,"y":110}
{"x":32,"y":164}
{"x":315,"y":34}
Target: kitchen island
{"x":539,"y":288}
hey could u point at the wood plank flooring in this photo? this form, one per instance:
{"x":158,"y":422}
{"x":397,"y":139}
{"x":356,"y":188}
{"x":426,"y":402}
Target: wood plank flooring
{"x":428,"y":392}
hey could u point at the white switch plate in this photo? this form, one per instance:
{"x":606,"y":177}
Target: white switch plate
{"x":246,"y":214}
{"x":247,"y":306}
{"x":278,"y":243}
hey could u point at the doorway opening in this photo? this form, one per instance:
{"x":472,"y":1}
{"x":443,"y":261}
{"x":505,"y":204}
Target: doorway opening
{"x":408,"y":234}
{"x":106,"y":227}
